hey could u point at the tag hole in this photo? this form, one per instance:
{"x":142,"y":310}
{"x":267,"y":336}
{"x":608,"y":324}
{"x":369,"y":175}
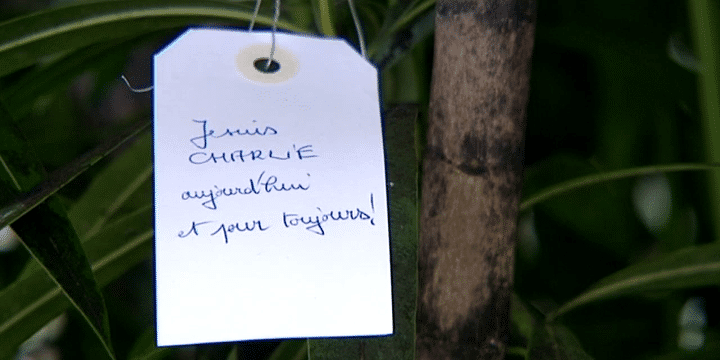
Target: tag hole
{"x":261,"y":64}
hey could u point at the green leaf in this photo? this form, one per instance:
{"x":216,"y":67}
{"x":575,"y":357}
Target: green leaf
{"x":233,"y":355}
{"x":30,"y":39}
{"x":17,"y":173}
{"x":412,"y":14}
{"x":402,"y":170}
{"x":609,"y":203}
{"x":25,"y":307}
{"x":555,"y":342}
{"x":413,"y":27}
{"x":145,"y":349}
{"x":593,"y":179}
{"x":22,"y":95}
{"x":217,"y":351}
{"x":290,"y":350}
{"x":405,"y":81}
{"x":522,"y":318}
{"x":324,"y":12}
{"x":709,"y":350}
{"x":48,"y":235}
{"x":33,"y":300}
{"x":123,"y":177}
{"x":13,"y":208}
{"x":693,"y":266}
{"x":122,"y":243}
{"x":704,"y":15}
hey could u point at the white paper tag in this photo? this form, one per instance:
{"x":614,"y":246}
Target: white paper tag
{"x":270,"y":204}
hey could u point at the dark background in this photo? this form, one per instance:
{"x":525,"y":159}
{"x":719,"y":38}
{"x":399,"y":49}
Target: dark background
{"x":613,"y":86}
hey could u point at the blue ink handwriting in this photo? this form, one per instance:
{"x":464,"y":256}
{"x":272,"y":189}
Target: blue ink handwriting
{"x":201,"y":141}
{"x":263,"y":184}
{"x":225,"y":228}
{"x":299,"y":153}
{"x":314,"y":223}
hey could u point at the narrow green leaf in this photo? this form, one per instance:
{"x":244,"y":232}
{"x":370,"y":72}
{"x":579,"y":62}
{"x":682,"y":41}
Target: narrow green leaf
{"x":35,"y":299}
{"x":608,"y":176}
{"x":216,"y":351}
{"x":48,"y":235}
{"x":298,"y":12}
{"x":145,"y":349}
{"x":704,"y":16}
{"x":708,"y":351}
{"x":13,"y":208}
{"x":16,"y":172}
{"x":392,"y":45}
{"x":412,"y":14}
{"x":693,"y":266}
{"x":25,"y":307}
{"x":324,"y":12}
{"x":22,"y":95}
{"x":290,"y":350}
{"x":123,"y":177}
{"x":609,"y":203}
{"x":517,"y":351}
{"x":402,"y":170}
{"x":406,"y":24}
{"x":31,"y":301}
{"x":233,"y":355}
{"x":521,"y":318}
{"x":27,"y":40}
{"x":555,"y":342}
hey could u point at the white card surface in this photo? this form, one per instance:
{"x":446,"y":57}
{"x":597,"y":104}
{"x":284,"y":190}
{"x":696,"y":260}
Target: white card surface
{"x":270,"y":204}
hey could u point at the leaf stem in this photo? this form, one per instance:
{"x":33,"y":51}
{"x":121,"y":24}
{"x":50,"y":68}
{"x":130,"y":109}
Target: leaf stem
{"x":588,"y":180}
{"x":411,"y":15}
{"x":705,"y":22}
{"x":701,"y":270}
{"x":324,"y":10}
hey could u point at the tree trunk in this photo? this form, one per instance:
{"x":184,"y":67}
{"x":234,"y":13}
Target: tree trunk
{"x":472,"y":177}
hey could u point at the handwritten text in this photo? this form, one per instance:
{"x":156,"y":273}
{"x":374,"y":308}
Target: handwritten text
{"x":201,"y":141}
{"x":299,"y":153}
{"x":224,"y":228}
{"x":261,"y":185}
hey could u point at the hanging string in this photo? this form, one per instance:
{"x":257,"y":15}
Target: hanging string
{"x":276,"y":17}
{"x":274,"y":29}
{"x":353,"y":12}
{"x":143,"y":90}
{"x":255,"y":14}
{"x":356,"y":20}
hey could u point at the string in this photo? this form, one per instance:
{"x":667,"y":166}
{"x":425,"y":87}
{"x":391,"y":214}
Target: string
{"x":143,"y":90}
{"x":353,"y":12}
{"x":356,"y":20}
{"x":276,"y":17}
{"x":274,"y":29}
{"x":255,"y":14}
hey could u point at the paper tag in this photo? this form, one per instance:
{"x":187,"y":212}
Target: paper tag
{"x":270,"y":205}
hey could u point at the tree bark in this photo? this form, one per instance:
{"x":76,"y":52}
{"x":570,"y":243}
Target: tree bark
{"x":473,"y":176}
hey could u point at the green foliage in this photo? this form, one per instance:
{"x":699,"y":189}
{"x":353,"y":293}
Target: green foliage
{"x":705,"y":15}
{"x":690,"y":267}
{"x":556,"y":342}
{"x":48,"y":234}
{"x":595,"y":278}
{"x":28,"y":40}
